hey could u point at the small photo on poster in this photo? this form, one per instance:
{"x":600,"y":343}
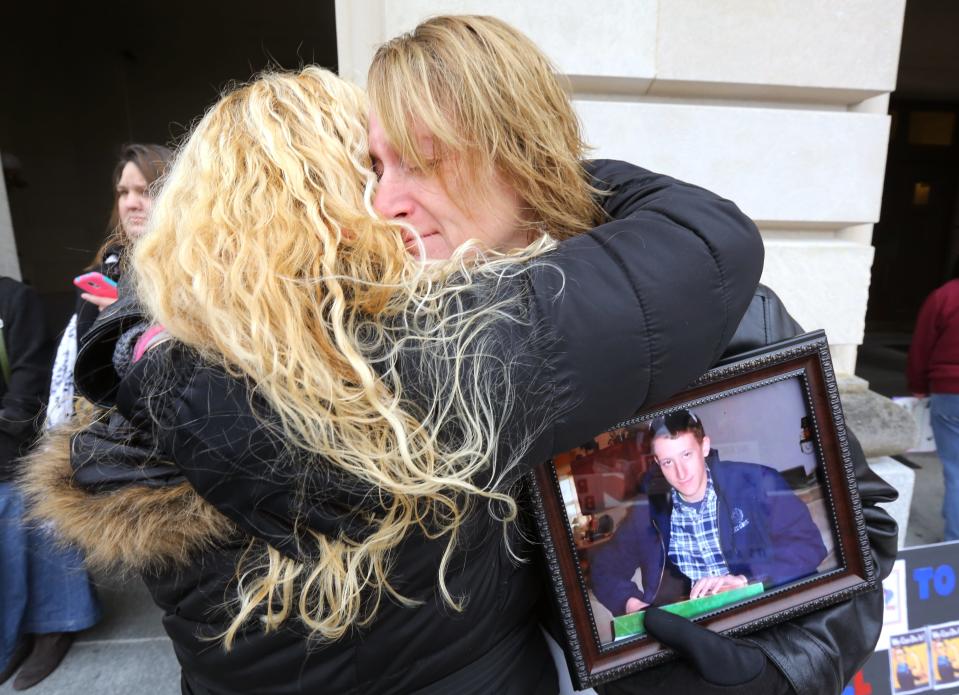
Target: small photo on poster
{"x":895,"y":619}
{"x":909,"y":662}
{"x":944,"y":645}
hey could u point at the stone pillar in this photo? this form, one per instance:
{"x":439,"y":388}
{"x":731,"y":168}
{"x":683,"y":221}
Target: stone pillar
{"x":9,"y":263}
{"x":359,"y":30}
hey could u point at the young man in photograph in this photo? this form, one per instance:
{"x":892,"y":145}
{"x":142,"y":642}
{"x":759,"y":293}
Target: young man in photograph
{"x":719,"y":525}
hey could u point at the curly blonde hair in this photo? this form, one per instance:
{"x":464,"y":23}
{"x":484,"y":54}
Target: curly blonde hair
{"x":265,"y":256}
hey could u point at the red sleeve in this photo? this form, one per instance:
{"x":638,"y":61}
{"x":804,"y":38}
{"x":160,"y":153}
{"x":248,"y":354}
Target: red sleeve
{"x":923,"y":341}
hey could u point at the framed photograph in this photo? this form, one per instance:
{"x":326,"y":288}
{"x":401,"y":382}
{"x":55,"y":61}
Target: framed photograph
{"x":733,"y":504}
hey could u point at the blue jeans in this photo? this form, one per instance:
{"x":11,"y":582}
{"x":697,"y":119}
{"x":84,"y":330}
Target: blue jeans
{"x":944,"y":411}
{"x":43,"y":587}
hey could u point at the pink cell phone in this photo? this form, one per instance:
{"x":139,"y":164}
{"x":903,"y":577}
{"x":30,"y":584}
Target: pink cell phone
{"x":97,"y":284}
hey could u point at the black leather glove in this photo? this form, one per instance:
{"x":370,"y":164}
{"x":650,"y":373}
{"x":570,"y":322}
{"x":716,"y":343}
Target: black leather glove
{"x":711,"y":664}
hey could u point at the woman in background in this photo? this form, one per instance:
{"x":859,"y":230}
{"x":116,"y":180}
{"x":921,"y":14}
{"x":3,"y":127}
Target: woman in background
{"x":58,"y":599}
{"x":139,"y":167}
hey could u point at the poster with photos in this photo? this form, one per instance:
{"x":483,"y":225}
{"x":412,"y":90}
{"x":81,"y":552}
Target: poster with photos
{"x":921,"y":595}
{"x":944,"y":648}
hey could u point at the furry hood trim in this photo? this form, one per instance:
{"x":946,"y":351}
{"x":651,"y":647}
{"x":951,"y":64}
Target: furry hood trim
{"x":137,"y":527}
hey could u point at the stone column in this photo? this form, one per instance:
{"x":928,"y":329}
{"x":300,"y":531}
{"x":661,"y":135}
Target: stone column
{"x":9,"y":263}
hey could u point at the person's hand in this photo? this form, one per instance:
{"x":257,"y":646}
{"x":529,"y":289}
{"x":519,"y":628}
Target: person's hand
{"x":711,"y":664}
{"x":101,"y":302}
{"x":634,"y":605}
{"x":708,"y":586}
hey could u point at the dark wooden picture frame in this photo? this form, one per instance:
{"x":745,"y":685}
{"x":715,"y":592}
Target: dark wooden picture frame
{"x":804,"y":360}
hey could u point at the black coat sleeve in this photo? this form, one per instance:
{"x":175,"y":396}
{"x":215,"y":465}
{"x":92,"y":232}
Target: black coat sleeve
{"x":641,"y":306}
{"x":30,"y":352}
{"x":226,"y":443}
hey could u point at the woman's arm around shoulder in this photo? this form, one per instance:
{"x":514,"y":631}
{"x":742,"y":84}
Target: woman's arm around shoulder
{"x":209,"y":424}
{"x":642,"y":305}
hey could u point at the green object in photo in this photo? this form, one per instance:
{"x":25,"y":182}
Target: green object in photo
{"x":635,"y":623}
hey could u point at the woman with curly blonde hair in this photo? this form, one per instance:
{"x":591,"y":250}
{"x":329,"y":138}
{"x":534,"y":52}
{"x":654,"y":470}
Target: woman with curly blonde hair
{"x":314,"y":462}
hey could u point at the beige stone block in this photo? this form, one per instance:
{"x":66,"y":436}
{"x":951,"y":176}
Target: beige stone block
{"x":850,"y":46}
{"x":705,"y":90}
{"x":882,"y":427}
{"x":616,"y":39}
{"x":772,"y":50}
{"x":783,"y":167}
{"x":824,"y":284}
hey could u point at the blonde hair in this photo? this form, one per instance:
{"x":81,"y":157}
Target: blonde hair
{"x":265,"y":257}
{"x":493,"y":102}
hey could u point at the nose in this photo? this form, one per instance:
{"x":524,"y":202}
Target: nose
{"x":391,"y":199}
{"x":132,"y":201}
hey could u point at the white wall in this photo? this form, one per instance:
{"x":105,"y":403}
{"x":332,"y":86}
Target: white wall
{"x":778,"y":105}
{"x":9,"y":264}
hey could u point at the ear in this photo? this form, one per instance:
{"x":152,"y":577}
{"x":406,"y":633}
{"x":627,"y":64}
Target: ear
{"x":705,"y":446}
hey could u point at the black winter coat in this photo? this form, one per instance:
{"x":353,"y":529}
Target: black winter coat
{"x":631,"y":275}
{"x":30,"y":354}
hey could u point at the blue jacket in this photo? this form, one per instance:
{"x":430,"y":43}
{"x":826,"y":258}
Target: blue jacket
{"x":765,"y":531}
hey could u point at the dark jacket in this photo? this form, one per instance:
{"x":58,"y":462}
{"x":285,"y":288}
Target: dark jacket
{"x":766,"y":534}
{"x":617,"y":299}
{"x":30,"y":353}
{"x":934,"y":352}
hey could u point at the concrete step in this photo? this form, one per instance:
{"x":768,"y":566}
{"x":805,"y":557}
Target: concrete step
{"x":127,"y":653}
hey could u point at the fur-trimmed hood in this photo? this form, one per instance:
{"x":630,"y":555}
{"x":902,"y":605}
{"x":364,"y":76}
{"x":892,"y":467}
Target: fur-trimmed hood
{"x":134,"y":526}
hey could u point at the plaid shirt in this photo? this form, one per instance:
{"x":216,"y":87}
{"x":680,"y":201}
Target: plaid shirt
{"x":694,"y":536}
